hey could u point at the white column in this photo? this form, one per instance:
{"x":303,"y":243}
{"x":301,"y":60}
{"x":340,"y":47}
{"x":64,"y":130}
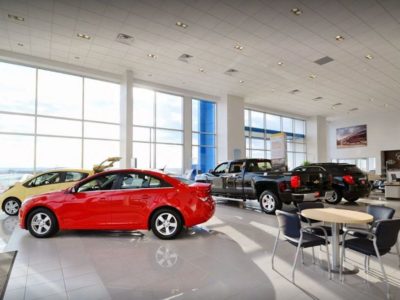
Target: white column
{"x":126,"y":115}
{"x":316,"y":139}
{"x":187,"y":133}
{"x":230,"y":128}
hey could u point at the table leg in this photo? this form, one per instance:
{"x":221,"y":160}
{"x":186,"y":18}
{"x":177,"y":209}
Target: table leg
{"x":335,"y":261}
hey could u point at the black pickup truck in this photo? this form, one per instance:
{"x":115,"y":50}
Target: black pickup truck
{"x":256,"y":179}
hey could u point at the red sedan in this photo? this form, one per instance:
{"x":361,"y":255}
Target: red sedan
{"x":120,"y":200}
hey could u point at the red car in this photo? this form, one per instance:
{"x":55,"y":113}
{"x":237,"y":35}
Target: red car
{"x":120,"y":200}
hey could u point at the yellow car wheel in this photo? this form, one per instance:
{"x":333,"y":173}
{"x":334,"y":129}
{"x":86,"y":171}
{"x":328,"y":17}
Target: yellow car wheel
{"x":11,"y":206}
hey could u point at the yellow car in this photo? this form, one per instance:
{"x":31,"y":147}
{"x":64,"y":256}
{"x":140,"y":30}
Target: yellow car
{"x":46,"y":182}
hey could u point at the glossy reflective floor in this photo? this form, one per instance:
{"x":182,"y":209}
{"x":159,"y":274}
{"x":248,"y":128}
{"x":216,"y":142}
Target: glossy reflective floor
{"x":229,"y":257}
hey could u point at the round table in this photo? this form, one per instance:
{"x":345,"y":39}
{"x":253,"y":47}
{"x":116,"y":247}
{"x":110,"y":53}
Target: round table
{"x":337,"y":217}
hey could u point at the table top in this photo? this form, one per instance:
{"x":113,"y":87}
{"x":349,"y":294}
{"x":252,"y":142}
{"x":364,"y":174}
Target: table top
{"x":334,"y":215}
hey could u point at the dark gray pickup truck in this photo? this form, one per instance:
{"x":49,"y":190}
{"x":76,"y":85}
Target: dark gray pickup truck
{"x":256,"y":179}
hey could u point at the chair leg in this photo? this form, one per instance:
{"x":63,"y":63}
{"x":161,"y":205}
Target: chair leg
{"x":302,"y":256}
{"x":295,"y":260}
{"x":380,"y":263}
{"x":313,"y":255}
{"x":398,"y":251}
{"x":275,"y":246}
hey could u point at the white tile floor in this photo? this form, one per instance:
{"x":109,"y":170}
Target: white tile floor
{"x":226,"y":258}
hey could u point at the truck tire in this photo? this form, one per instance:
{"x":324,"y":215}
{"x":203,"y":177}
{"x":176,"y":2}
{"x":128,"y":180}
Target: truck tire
{"x":336,"y":197}
{"x":269,"y":202}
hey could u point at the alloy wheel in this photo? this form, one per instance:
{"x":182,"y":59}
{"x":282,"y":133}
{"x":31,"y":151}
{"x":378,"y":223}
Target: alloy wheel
{"x":41,"y":223}
{"x":166,"y":224}
{"x":11,"y":207}
{"x":268,"y":202}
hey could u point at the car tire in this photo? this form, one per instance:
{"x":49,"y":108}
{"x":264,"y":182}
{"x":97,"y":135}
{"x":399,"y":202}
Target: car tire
{"x":166,"y":224}
{"x":351,"y":200}
{"x":11,"y":206}
{"x":336,"y":197}
{"x":269,"y":202}
{"x":42,"y":223}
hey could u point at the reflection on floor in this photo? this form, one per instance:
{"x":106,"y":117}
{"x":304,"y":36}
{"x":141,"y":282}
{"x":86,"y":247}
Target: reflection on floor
{"x":226,"y":258}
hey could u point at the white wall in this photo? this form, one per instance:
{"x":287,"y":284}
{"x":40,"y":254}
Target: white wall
{"x":383,"y":133}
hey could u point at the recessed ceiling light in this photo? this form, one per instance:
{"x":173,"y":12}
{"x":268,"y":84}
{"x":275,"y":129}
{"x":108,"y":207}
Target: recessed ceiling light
{"x":369,"y":56}
{"x":336,"y":105}
{"x":151,"y":55}
{"x":272,"y":90}
{"x":312,"y":76}
{"x":353,"y":109}
{"x":318,"y":98}
{"x":84,"y":36}
{"x":241,"y":81}
{"x":371,"y":99}
{"x":339,"y":38}
{"x":296,"y":11}
{"x":77,"y":57}
{"x":238,"y":47}
{"x":16,"y":18}
{"x":294,"y":92}
{"x":20,"y":44}
{"x":280,"y":63}
{"x":386,"y":105}
{"x":181,"y":24}
{"x":201,"y":70}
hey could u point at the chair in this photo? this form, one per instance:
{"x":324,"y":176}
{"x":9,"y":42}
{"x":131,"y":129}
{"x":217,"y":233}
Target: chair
{"x":290,"y":226}
{"x":379,"y":213}
{"x":376,"y":243}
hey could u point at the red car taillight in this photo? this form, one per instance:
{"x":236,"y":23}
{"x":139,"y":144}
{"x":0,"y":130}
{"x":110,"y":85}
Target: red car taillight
{"x":295,"y":181}
{"x":348,"y":179}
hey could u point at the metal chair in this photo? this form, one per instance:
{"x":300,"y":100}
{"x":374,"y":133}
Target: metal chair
{"x":379,"y":213}
{"x":376,"y":243}
{"x":290,"y":226}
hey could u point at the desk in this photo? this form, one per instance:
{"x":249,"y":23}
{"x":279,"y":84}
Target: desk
{"x":337,"y":217}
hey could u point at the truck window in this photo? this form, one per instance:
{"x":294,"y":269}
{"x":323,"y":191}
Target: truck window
{"x":259,"y":166}
{"x":221,"y":168}
{"x":236,"y":167}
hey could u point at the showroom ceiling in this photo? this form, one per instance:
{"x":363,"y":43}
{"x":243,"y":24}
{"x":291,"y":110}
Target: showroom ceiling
{"x":311,"y":57}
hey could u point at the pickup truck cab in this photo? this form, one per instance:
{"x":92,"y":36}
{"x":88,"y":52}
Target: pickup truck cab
{"x":256,"y":179}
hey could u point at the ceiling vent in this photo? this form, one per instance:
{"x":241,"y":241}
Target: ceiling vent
{"x":318,"y":99}
{"x":230,"y":72}
{"x":294,"y":92}
{"x":124,"y":39}
{"x":323,"y":60}
{"x":185,"y":57}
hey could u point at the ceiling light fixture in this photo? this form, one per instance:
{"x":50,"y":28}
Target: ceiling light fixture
{"x":280,"y":63}
{"x":336,"y":105}
{"x":201,"y":70}
{"x":318,"y":98}
{"x":312,"y":76}
{"x":371,"y":99}
{"x":181,"y":24}
{"x":151,"y":55}
{"x":125,"y":39}
{"x":353,"y":109}
{"x":20,"y":44}
{"x":241,"y":81}
{"x":77,"y":57}
{"x":369,"y":56}
{"x":386,"y":105}
{"x":296,"y":11}
{"x":339,"y":38}
{"x":16,"y":18}
{"x":238,"y":47}
{"x":84,"y":36}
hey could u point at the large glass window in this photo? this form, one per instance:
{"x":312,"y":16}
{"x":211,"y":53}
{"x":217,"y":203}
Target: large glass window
{"x":17,"y":88}
{"x":260,"y":126}
{"x":203,"y":135}
{"x":59,"y":94}
{"x":158,"y":130}
{"x":44,"y":121}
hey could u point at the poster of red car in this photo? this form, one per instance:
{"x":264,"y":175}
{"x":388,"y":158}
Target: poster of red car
{"x":354,"y":136}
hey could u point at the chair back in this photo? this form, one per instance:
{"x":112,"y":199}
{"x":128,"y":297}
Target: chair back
{"x":380,"y":212}
{"x":309,"y":205}
{"x":289,"y":224}
{"x":386,"y":233}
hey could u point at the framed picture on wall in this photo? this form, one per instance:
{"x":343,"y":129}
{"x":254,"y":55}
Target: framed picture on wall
{"x":354,"y":136}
